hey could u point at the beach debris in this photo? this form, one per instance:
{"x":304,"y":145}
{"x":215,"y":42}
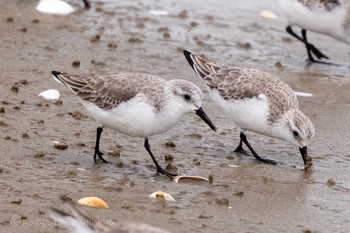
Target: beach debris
{"x":162,"y":196}
{"x":193,"y":178}
{"x":158,"y":12}
{"x":58,"y":7}
{"x":60,"y":145}
{"x":268,"y":14}
{"x":50,"y":94}
{"x":94,"y":202}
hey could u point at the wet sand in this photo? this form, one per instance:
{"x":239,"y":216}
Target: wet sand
{"x":123,"y":36}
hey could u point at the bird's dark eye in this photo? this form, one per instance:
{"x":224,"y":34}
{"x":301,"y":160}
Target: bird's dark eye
{"x":187,"y":97}
{"x":295,"y":133}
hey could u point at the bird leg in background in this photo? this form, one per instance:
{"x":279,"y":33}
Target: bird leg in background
{"x":97,"y":146}
{"x":309,"y":47}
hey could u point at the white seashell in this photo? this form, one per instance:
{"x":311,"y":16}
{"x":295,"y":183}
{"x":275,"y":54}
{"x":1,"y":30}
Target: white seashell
{"x":54,"y":7}
{"x":199,"y":178}
{"x":233,"y":165}
{"x":162,"y":195}
{"x":303,"y":94}
{"x":50,"y":94}
{"x":268,"y":15}
{"x":158,"y":12}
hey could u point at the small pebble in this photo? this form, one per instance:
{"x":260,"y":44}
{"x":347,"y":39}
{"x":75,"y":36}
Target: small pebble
{"x":238,"y":193}
{"x":76,"y":63}
{"x":112,"y":45}
{"x":278,"y":64}
{"x":61,"y":146}
{"x":135,"y":40}
{"x":18,"y":202}
{"x":39,"y":155}
{"x":170,"y":144}
{"x":211,"y":179}
{"x":95,"y":38}
{"x":330,"y":182}
{"x":196,"y":162}
{"x":222,"y":201}
{"x":9,"y":20}
{"x":183,"y":14}
{"x":168,"y":158}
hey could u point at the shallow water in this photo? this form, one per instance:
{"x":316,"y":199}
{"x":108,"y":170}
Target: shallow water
{"x":249,"y":198}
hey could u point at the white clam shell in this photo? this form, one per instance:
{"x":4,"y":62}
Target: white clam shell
{"x":50,"y":94}
{"x":268,"y":15}
{"x":162,"y":195}
{"x":58,"y":7}
{"x":158,"y":12}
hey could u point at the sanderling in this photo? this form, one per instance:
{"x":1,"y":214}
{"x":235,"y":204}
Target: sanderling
{"x":329,"y":17}
{"x":138,"y":105}
{"x":80,"y":222}
{"x":256,"y":101}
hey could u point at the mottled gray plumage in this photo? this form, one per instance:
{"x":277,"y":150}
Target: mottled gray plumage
{"x":107,"y":92}
{"x":328,"y":5}
{"x":255,"y":101}
{"x":235,"y":83}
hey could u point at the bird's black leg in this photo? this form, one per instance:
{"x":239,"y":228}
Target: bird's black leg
{"x":311,"y":59}
{"x":309,"y":47}
{"x":159,"y":168}
{"x":244,"y":139}
{"x":87,"y":4}
{"x":309,"y":54}
{"x":97,"y":146}
{"x":240,"y":149}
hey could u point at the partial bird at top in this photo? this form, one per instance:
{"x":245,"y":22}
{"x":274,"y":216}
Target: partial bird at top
{"x":329,"y":17}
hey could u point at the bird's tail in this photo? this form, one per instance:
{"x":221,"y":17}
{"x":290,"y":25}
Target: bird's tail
{"x":201,"y":65}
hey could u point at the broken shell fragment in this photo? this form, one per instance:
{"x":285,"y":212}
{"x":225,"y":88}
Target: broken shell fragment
{"x":50,"y":94}
{"x":268,"y":15}
{"x":162,"y":196}
{"x":93,"y":202}
{"x":193,"y":178}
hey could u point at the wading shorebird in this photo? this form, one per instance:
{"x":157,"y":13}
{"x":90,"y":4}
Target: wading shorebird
{"x":329,"y":17}
{"x":135,"y":104}
{"x":257,"y":102}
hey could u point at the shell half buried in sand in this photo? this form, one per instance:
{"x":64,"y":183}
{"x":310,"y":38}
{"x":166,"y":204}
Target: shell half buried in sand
{"x":268,"y":15}
{"x":93,"y":202}
{"x":190,"y":178}
{"x":162,"y":196}
{"x":50,"y":94}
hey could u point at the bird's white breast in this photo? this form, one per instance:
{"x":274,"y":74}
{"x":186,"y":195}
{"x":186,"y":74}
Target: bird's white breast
{"x":248,"y":114}
{"x":135,"y":117}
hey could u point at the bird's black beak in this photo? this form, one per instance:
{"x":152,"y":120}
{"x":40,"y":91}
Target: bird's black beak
{"x":303,"y":152}
{"x":205,"y":118}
